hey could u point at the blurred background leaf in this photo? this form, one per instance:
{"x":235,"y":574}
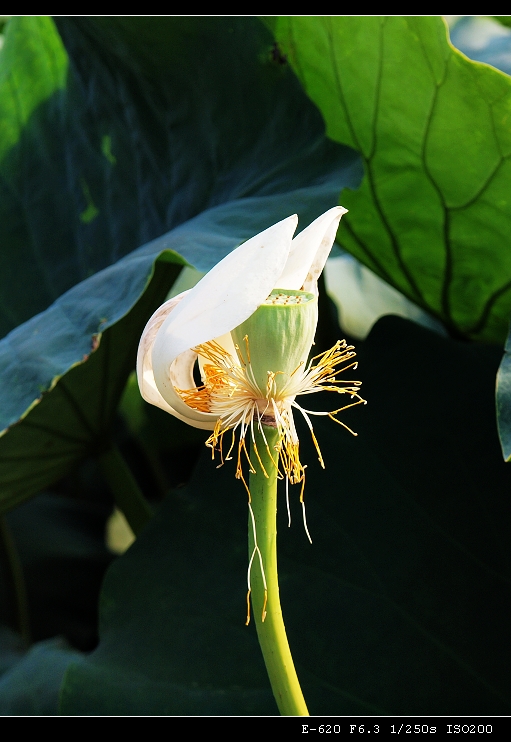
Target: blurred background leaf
{"x":31,"y":686}
{"x":59,"y":539}
{"x":61,"y":545}
{"x":115,"y":131}
{"x":483,"y":40}
{"x":137,"y":126}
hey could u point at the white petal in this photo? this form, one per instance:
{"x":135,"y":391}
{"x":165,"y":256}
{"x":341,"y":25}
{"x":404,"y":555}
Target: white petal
{"x":222,"y":300}
{"x":184,"y":371}
{"x":309,"y":251}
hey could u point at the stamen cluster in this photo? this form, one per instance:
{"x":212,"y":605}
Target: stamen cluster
{"x":231,"y":392}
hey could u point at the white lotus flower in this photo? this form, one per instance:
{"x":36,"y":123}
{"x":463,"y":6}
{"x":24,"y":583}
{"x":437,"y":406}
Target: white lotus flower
{"x":253,"y":363}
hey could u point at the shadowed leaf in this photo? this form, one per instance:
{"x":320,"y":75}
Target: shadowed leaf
{"x":400,"y":605}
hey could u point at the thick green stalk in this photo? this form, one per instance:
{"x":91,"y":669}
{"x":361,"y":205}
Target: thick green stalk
{"x":127,"y":495}
{"x":270,"y":631}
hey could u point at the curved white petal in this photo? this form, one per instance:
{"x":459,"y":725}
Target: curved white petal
{"x":309,"y":252}
{"x":183,"y":371}
{"x":221,"y":301}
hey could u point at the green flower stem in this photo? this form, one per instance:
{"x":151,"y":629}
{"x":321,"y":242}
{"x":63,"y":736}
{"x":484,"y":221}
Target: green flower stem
{"x":127,"y":495}
{"x":271,"y":632}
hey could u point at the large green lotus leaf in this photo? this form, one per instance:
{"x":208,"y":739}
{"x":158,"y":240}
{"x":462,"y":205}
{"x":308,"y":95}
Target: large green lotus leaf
{"x":137,"y":129}
{"x":115,"y":131}
{"x":433,"y":214}
{"x":400,"y":605}
{"x":63,"y":374}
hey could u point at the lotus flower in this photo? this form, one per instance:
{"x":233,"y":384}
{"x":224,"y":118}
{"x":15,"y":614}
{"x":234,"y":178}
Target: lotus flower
{"x":250,"y":324}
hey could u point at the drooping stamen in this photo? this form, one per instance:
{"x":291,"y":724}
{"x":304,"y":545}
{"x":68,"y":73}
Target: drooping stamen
{"x":255,"y":551}
{"x":230,"y":391}
{"x":287,"y":504}
{"x":254,"y":446}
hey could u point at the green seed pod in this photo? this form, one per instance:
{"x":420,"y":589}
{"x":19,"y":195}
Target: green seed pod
{"x":280,"y":335}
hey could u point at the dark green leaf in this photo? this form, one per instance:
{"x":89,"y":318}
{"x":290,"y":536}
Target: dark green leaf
{"x":74,"y":374}
{"x":61,"y":548}
{"x":174,"y":640}
{"x":138,"y":126}
{"x":31,"y":687}
{"x":400,"y":605}
{"x":433,"y":214}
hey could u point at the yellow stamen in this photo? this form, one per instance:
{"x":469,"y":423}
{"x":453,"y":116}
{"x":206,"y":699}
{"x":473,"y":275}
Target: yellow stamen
{"x":248,"y":607}
{"x":230,"y":392}
{"x":263,"y":612}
